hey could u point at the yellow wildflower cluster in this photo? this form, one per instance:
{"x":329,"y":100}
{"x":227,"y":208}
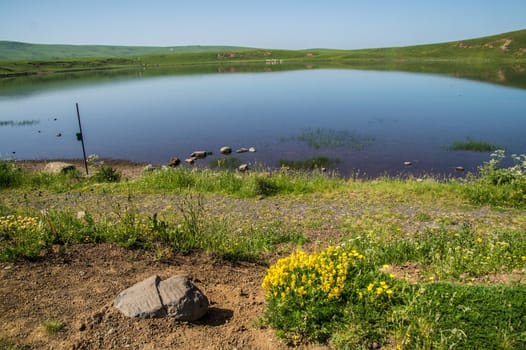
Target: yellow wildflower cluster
{"x":320,"y":274}
{"x":380,"y":288}
{"x":16,"y":223}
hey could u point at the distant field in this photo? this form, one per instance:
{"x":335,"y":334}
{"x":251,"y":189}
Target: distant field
{"x":498,"y":59}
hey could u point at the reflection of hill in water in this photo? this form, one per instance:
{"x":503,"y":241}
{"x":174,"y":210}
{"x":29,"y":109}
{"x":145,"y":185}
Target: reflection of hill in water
{"x":506,"y":74}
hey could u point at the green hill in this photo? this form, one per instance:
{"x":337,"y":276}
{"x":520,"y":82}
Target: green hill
{"x":12,"y":50}
{"x":499,"y":59}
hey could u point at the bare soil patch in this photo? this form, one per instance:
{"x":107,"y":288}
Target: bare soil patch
{"x":77,"y":287}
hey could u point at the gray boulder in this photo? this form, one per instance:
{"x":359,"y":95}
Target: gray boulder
{"x":175,"y":297}
{"x":182,"y":300}
{"x":141,"y":300}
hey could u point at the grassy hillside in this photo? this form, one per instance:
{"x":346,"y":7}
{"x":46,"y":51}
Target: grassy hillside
{"x":12,"y":50}
{"x":498,"y":59}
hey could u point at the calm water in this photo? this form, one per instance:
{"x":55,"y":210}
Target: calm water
{"x":385,"y":118}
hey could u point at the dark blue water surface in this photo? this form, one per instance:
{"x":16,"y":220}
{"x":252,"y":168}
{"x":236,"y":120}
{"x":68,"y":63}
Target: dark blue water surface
{"x":393,"y":117}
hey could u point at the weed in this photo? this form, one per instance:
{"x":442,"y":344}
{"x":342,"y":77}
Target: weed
{"x":497,"y":185}
{"x":106,"y":174}
{"x":329,"y":138}
{"x":309,"y":164}
{"x":473,"y":145}
{"x":10,"y":175}
{"x":52,"y":327}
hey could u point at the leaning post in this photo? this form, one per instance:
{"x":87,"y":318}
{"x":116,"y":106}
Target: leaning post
{"x":81,"y":139}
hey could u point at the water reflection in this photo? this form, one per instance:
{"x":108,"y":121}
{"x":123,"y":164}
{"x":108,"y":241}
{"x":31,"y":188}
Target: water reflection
{"x":14,"y":123}
{"x":374,"y":122}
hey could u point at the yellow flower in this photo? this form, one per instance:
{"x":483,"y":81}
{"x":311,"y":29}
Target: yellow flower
{"x":370,"y":287}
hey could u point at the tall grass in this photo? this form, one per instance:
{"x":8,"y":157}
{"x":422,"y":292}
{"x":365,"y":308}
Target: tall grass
{"x":237,"y":184}
{"x":188,"y":228}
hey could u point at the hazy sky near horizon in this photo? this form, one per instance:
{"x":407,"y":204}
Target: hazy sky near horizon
{"x":287,"y":24}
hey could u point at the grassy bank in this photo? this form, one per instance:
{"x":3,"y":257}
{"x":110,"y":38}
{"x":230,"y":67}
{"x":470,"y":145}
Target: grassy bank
{"x":411,"y":264}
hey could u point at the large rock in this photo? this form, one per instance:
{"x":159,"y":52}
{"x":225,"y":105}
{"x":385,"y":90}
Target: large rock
{"x":58,"y":167}
{"x":175,"y":297}
{"x":182,"y":299}
{"x":141,"y":300}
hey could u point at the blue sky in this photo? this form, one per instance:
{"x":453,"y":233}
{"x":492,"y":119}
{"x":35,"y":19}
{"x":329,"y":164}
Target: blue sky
{"x":293,"y":24}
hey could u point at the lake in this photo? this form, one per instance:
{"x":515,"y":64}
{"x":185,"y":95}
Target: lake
{"x":368,"y":122}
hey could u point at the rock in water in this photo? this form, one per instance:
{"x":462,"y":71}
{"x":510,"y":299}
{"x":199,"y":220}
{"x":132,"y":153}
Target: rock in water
{"x":243,"y":168}
{"x":408,"y":163}
{"x":459,"y":168}
{"x":190,"y":160}
{"x":199,"y":154}
{"x":252,"y":149}
{"x":182,"y":300}
{"x":242,"y":150}
{"x":174,"y":162}
{"x":175,"y":297}
{"x":225,"y":150}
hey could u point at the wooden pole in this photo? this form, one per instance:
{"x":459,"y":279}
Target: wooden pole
{"x":82,"y":140}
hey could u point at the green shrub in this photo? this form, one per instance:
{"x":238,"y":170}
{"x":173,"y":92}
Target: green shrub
{"x":10,"y":174}
{"x":497,"y":185}
{"x":106,"y":174}
{"x":310,"y":295}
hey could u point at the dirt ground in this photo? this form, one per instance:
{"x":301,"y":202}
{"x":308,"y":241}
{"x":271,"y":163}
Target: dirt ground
{"x":77,"y":287}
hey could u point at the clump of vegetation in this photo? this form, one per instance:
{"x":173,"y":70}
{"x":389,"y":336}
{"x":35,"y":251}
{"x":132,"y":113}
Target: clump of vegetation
{"x":52,"y":326}
{"x":103,"y":173}
{"x":309,"y":164}
{"x":473,"y":145}
{"x":329,"y":138}
{"x":500,"y":185}
{"x":10,"y":174}
{"x":310,"y":295}
{"x":107,"y":174}
{"x":229,"y":163}
{"x":352,"y":301}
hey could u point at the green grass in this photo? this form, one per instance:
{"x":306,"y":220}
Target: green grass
{"x":473,"y":145}
{"x":52,"y":327}
{"x":184,"y":229}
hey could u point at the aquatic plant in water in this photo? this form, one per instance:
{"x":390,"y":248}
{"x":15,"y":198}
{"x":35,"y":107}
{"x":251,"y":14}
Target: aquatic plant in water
{"x":330,"y":138}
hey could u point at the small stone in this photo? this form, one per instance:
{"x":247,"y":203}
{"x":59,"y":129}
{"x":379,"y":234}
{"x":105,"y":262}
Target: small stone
{"x":225,"y":150}
{"x":242,"y":150}
{"x":408,"y":163}
{"x":82,"y":327}
{"x":459,"y":168}
{"x":81,"y":214}
{"x":190,"y":160}
{"x":58,"y":134}
{"x":243,"y":168}
{"x":252,"y":149}
{"x":174,"y":162}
